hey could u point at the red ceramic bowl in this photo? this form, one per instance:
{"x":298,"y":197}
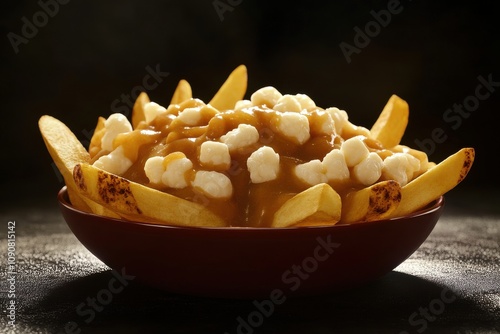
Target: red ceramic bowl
{"x":252,"y":262}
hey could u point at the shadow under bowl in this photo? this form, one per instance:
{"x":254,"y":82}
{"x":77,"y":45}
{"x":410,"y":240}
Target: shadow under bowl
{"x":254,"y":263}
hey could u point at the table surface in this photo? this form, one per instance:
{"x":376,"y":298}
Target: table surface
{"x":451,"y":284}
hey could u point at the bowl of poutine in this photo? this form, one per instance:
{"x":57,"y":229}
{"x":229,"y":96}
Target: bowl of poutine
{"x":242,"y":197}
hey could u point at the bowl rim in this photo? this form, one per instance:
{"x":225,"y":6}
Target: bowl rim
{"x":437,"y":204}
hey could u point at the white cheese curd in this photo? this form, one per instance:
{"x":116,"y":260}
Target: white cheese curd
{"x":305,"y":101}
{"x":175,"y":171}
{"x":369,"y":170}
{"x":151,"y":110}
{"x":154,"y":169}
{"x":395,"y":168}
{"x":354,"y":150}
{"x":335,"y":166}
{"x":401,"y":167}
{"x":242,"y":104}
{"x":339,"y":118}
{"x":288,"y":103}
{"x":115,"y":162}
{"x":294,"y":126}
{"x":213,"y":184}
{"x":215,"y":154}
{"x":114,"y":125}
{"x":263,"y":165}
{"x":322,"y":124}
{"x":412,"y":154}
{"x":244,"y":135}
{"x":359,"y":130}
{"x":311,"y":172}
{"x":190,"y":116}
{"x":413,"y":166}
{"x":267,"y":96}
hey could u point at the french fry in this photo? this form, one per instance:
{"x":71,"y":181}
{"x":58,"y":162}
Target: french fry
{"x":182,"y":92}
{"x":95,"y":141}
{"x":66,"y":152}
{"x":317,"y":205}
{"x":391,"y":124}
{"x":133,"y":200}
{"x":232,"y":90}
{"x":435,"y":182}
{"x":375,"y":202}
{"x":138,"y":110}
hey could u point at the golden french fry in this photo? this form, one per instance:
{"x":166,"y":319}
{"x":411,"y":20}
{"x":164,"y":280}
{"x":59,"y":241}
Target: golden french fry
{"x":435,"y":182}
{"x":391,"y":124}
{"x":138,"y":109}
{"x":375,"y":202}
{"x":95,"y":141}
{"x":319,"y":204}
{"x":66,"y":152}
{"x":233,"y":90}
{"x":182,"y":92}
{"x":141,"y":203}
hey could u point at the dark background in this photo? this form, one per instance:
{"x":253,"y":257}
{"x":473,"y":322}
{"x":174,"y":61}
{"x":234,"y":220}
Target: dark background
{"x":91,"y":52}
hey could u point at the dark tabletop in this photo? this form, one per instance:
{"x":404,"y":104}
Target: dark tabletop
{"x":451,"y":284}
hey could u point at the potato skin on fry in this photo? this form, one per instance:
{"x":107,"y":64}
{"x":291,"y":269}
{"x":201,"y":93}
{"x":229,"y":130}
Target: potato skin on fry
{"x":469,"y":156}
{"x":371,"y":203}
{"x":435,"y":182}
{"x":383,"y":198}
{"x":110,"y":189}
{"x":132,"y":200}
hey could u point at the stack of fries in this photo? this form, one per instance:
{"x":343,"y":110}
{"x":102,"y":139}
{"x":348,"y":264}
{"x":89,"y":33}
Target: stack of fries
{"x":272,"y":160}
